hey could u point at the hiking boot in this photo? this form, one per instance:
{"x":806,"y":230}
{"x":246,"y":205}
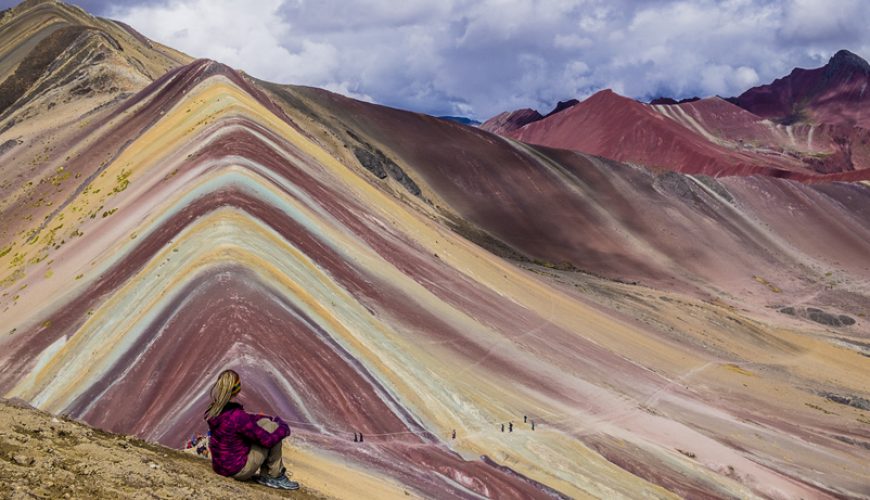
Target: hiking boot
{"x":286,"y":484}
{"x":281,"y":482}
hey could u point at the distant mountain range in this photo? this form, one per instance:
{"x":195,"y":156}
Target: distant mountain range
{"x":464,"y":120}
{"x":810,"y":125}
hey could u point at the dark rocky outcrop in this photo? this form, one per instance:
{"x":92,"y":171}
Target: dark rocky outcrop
{"x":371,"y":162}
{"x":671,"y":101}
{"x":825,"y":318}
{"x":562,"y":106}
{"x":29,"y":71}
{"x":376,"y":162}
{"x":6,"y":146}
{"x":676,"y":184}
{"x":819,"y":316}
{"x":848,"y":400}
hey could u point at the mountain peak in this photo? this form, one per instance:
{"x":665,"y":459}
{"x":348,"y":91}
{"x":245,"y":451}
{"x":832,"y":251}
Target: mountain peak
{"x":511,"y":120}
{"x":846,"y":60}
{"x":608,"y":95}
{"x":834,"y":94}
{"x":562,"y":106}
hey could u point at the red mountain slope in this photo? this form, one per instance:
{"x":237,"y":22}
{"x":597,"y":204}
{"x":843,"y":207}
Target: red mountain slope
{"x":825,"y":148}
{"x":833,"y":94}
{"x":717,"y":137}
{"x":623,"y":129}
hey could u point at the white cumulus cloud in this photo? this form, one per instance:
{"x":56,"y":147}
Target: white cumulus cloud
{"x":480,"y":57}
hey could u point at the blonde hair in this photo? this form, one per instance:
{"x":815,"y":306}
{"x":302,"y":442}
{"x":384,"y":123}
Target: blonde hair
{"x":223,"y":389}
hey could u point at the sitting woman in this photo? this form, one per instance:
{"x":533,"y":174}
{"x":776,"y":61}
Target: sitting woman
{"x":242,"y":443}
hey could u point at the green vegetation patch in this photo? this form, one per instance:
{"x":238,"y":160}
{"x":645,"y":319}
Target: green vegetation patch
{"x":122,"y":181}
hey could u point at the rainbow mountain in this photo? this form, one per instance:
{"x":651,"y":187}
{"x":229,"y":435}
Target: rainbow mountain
{"x":372,"y":270}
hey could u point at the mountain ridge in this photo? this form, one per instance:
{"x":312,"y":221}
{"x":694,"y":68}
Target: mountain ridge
{"x":828,"y":94}
{"x":764,"y":143}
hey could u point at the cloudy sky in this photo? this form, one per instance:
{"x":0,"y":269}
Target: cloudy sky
{"x":479,"y":57}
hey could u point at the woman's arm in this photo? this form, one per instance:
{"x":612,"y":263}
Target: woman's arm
{"x":252,"y":430}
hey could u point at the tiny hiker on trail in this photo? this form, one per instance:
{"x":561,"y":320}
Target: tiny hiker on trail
{"x":242,"y":443}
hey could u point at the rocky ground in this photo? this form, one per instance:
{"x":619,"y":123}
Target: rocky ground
{"x":43,"y":456}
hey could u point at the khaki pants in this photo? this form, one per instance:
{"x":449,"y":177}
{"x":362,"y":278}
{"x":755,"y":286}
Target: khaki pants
{"x":267,"y":459}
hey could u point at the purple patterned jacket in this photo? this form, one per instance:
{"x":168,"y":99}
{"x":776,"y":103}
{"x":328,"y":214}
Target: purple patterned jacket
{"x":233,"y":432}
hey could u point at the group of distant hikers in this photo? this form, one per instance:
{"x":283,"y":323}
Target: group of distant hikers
{"x":242,"y":445}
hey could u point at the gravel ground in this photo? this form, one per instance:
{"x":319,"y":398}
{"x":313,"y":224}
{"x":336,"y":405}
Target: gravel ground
{"x":43,"y":456}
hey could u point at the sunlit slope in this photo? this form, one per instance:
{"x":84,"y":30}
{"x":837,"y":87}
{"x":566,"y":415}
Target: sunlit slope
{"x":30,"y":22}
{"x":54,"y":54}
{"x":221,"y":234}
{"x":63,"y":75}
